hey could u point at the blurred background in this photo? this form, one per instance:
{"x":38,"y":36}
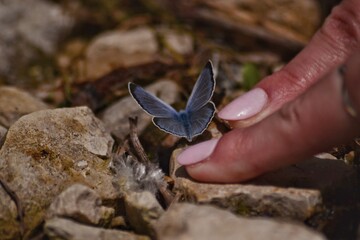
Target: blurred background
{"x":75,"y":52}
{"x":84,"y":52}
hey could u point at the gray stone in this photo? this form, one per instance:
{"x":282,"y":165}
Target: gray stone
{"x":82,"y":204}
{"x":64,"y":229}
{"x":179,"y":43}
{"x":39,"y":160}
{"x":142,"y":209}
{"x":247,"y":199}
{"x":299,"y":204}
{"x":187,"y":221}
{"x":120,"y":49}
{"x":27,"y":27}
{"x":116,"y":116}
{"x":15,"y":103}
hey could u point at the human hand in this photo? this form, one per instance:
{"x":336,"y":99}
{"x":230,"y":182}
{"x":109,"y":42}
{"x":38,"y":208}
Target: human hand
{"x":292,"y":114}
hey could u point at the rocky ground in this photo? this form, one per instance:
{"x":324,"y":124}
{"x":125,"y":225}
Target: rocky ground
{"x":71,"y":166}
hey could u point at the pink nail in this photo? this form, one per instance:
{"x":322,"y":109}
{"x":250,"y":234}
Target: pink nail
{"x":197,"y":153}
{"x":245,"y":106}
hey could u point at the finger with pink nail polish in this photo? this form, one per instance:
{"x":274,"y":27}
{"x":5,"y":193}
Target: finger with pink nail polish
{"x":245,"y":106}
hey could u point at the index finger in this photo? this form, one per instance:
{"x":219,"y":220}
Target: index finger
{"x":332,"y":44}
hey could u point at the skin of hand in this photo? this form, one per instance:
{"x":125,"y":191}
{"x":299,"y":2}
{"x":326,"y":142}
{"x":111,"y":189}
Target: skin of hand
{"x":292,"y":114}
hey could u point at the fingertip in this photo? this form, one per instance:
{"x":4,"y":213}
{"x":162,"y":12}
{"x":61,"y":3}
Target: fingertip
{"x":197,"y":153}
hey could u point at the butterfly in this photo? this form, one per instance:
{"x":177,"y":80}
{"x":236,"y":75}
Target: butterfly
{"x":189,"y":122}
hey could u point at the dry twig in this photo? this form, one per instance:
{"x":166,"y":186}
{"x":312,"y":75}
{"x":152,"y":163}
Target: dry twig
{"x":140,"y":152}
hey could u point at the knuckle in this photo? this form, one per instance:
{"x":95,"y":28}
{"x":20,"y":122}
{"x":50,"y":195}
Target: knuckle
{"x":342,"y":27}
{"x":297,"y":81}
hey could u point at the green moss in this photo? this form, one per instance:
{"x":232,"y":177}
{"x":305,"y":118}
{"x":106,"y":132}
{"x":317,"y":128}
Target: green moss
{"x":251,"y":76}
{"x":239,"y":207}
{"x":242,"y":210}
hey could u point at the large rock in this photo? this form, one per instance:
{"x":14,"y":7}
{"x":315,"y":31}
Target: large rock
{"x":248,"y":199}
{"x":27,"y":27}
{"x":58,"y":228}
{"x":44,"y":153}
{"x":120,"y":49}
{"x":116,"y":116}
{"x":299,"y":204}
{"x":81,"y":203}
{"x":15,"y":103}
{"x":187,"y":221}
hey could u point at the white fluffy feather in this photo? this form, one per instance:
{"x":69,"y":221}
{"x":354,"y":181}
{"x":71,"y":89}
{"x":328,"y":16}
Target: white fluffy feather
{"x":132,"y":175}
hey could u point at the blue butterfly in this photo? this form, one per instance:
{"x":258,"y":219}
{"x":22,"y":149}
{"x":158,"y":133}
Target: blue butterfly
{"x":186,"y":123}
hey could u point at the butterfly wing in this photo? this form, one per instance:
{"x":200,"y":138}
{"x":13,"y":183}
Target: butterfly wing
{"x":171,"y":125}
{"x":203,"y":89}
{"x":151,"y":104}
{"x":200,"y":119}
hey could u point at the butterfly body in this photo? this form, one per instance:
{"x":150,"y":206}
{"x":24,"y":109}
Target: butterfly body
{"x":189,"y":122}
{"x":184,"y":117}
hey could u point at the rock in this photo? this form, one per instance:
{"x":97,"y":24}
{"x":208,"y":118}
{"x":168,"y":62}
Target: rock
{"x":116,"y":116}
{"x":179,"y":43}
{"x":142,"y":209}
{"x":58,"y":228}
{"x":119,"y":222}
{"x":25,"y":32}
{"x":41,"y":156}
{"x":246,"y":199}
{"x":187,"y":221}
{"x":299,"y":204}
{"x":82,"y":204}
{"x":15,"y":103}
{"x":120,"y":49}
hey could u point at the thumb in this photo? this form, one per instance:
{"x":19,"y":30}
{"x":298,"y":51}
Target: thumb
{"x":312,"y":123}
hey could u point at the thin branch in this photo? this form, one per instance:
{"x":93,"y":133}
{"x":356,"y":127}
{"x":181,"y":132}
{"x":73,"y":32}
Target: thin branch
{"x":167,"y":195}
{"x":140,"y":152}
{"x":20,"y":210}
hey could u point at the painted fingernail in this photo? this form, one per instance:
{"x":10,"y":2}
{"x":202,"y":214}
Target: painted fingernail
{"x":197,"y":153}
{"x":245,"y":106}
